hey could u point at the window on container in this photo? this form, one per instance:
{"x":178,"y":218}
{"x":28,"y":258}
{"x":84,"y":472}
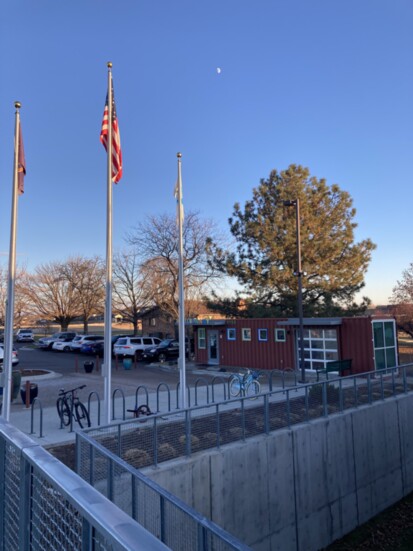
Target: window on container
{"x":246,"y":333}
{"x":263,"y":335}
{"x":280,"y":335}
{"x":201,"y":337}
{"x":320,"y":347}
{"x":231,"y":334}
{"x":384,"y":341}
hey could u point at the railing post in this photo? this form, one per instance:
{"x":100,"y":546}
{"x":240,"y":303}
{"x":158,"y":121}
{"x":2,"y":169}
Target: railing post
{"x":369,"y":388}
{"x":25,"y":504}
{"x":243,"y":418}
{"x":325,"y":400}
{"x":218,"y":426}
{"x":355,"y":392}
{"x":266,"y":414}
{"x":188,"y":443}
{"x":306,"y":403}
{"x":2,"y":490}
{"x":155,"y":442}
{"x":287,"y":405}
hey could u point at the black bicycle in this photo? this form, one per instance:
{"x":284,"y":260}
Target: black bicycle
{"x":69,"y":406}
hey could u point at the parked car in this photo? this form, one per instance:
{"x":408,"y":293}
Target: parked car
{"x":25,"y":335}
{"x":168,"y":349}
{"x":14,"y":358}
{"x":114,"y":340}
{"x":62,"y":345}
{"x":134,"y":346}
{"x":79,"y":340}
{"x":47,"y":342}
{"x":93,"y":348}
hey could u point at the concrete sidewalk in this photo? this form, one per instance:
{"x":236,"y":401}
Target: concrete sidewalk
{"x":43,"y":423}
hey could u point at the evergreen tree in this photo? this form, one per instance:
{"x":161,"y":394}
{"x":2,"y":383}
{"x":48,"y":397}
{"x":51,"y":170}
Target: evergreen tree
{"x":265,"y":257}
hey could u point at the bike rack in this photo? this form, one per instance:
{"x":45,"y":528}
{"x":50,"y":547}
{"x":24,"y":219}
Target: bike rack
{"x":157,"y":396}
{"x":113,"y":403}
{"x":94,"y":393}
{"x":178,"y":393}
{"x":196,"y":390}
{"x":36,"y":400}
{"x":137,"y":395}
{"x":224,"y":386}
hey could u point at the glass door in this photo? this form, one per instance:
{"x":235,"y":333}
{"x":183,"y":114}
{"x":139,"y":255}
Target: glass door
{"x":384,"y":339}
{"x":213,"y":352}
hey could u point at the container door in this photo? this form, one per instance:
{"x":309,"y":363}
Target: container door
{"x":385,"y":344}
{"x":213,"y":348}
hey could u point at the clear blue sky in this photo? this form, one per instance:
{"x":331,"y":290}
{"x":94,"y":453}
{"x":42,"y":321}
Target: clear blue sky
{"x":323,"y":83}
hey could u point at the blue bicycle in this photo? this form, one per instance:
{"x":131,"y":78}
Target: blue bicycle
{"x":246,"y":384}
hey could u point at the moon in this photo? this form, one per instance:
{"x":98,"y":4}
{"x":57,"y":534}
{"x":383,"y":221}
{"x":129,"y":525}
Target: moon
{"x":219,"y":70}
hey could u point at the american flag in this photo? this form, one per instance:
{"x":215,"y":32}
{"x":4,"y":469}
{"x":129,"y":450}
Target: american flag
{"x":116,"y":149}
{"x":21,"y":165}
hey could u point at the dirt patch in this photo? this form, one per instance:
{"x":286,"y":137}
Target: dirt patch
{"x":392,"y":530}
{"x":33,"y":372}
{"x":66,"y":453}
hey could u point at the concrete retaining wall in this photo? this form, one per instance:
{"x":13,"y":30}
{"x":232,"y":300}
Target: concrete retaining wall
{"x":301,"y":489}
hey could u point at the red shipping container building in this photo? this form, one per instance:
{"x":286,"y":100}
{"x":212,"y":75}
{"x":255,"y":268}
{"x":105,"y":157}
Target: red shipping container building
{"x":274,"y":343}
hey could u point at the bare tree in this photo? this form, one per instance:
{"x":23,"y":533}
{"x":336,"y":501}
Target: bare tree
{"x":87,"y":277}
{"x":156,"y":244}
{"x":130,"y":290}
{"x":52,"y":295}
{"x":21,"y":315}
{"x":402,"y":301}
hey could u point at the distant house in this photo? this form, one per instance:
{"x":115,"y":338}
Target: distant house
{"x":157,"y":323}
{"x":273,"y":343}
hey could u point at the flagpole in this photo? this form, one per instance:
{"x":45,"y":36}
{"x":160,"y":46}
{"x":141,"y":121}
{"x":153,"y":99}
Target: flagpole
{"x":108,"y":302}
{"x":8,"y":330}
{"x":181,"y":315}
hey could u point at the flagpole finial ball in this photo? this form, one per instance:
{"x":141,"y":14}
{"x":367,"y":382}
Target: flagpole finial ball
{"x":17,"y":104}
{"x":109,"y":64}
{"x":179,"y":155}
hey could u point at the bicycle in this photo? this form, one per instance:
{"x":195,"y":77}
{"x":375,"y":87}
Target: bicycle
{"x":70,"y":407}
{"x":246,"y":384}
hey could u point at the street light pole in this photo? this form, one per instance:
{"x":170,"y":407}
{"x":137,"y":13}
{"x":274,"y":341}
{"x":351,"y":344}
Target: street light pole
{"x":299,"y":273}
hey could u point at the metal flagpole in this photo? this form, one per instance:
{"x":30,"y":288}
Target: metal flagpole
{"x":8,"y":330}
{"x":107,"y":371}
{"x":181,"y":323}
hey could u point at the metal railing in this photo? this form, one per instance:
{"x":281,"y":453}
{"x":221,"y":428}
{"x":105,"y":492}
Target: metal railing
{"x":108,"y":457}
{"x":176,"y":524}
{"x":46,"y":506}
{"x":169,"y":435}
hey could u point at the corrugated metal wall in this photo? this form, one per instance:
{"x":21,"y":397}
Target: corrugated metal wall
{"x":255,"y":354}
{"x":355,"y":341}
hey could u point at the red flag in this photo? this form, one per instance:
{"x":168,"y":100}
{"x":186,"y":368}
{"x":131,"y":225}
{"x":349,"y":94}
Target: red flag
{"x":21,"y":164}
{"x":116,"y":149}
